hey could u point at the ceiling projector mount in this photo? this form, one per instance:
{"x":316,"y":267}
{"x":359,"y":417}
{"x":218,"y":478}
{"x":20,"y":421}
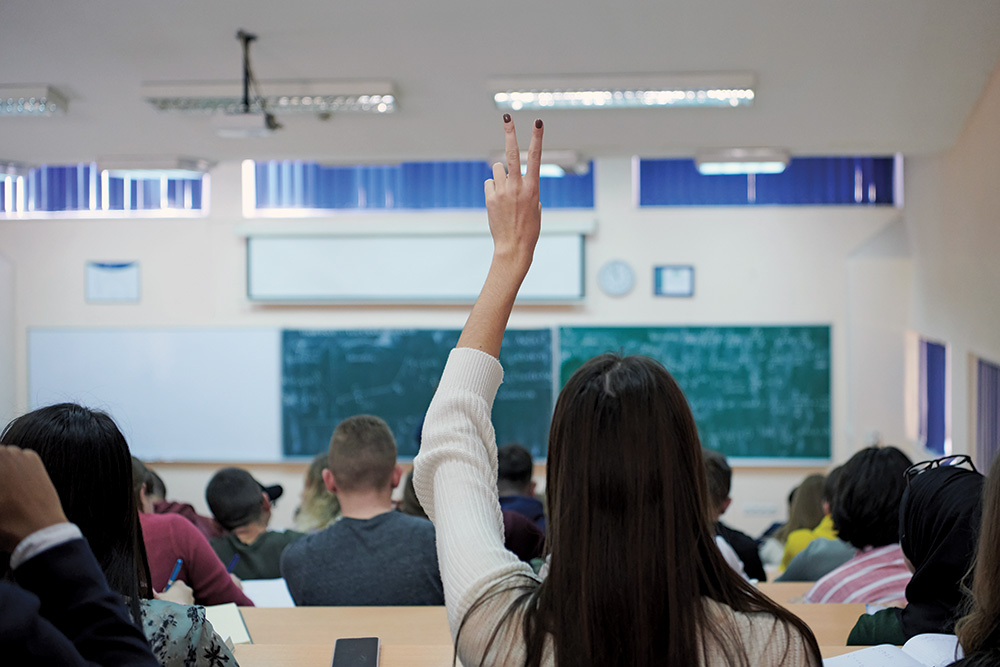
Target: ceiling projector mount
{"x":253,"y":113}
{"x":258,"y":104}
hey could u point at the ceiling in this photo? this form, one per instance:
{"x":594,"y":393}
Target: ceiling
{"x":851,"y":76}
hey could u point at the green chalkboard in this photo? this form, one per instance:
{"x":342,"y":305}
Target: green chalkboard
{"x":327,"y":376}
{"x":758,"y":392}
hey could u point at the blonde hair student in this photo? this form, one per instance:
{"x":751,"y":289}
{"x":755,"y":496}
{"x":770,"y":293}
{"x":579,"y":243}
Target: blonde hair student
{"x":635,"y":577}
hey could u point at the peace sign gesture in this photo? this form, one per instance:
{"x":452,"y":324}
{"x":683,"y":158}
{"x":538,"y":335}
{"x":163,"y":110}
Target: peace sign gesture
{"x":515,"y":221}
{"x":512,"y":199}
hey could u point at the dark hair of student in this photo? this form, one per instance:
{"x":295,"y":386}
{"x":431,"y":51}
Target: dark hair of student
{"x":140,"y":479}
{"x":91,"y":468}
{"x":514,"y":464}
{"x":719,"y":474}
{"x":979,"y":630}
{"x":628,"y":496}
{"x":830,"y":486}
{"x":866,"y":512}
{"x":155,"y":486}
{"x":410,"y":504}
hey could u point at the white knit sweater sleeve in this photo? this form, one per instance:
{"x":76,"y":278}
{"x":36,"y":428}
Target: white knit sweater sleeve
{"x":455,"y":477}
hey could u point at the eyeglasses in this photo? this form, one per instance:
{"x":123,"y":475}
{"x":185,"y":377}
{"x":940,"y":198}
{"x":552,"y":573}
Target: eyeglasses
{"x":943,"y":462}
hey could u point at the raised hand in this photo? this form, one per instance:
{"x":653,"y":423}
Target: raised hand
{"x":515,"y":221}
{"x":512,"y":200}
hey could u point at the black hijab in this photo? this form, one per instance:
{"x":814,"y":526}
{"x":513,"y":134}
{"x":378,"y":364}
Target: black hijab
{"x":939,"y":519}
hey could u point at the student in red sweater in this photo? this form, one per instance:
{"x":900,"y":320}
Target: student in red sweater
{"x":170,"y":536}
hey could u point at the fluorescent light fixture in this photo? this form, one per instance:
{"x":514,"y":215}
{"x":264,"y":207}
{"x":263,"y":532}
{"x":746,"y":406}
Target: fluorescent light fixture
{"x":555,"y":163}
{"x":732,"y":89}
{"x":742,"y":161}
{"x":280,"y":97}
{"x":154,"y":167}
{"x":31,"y":100}
{"x":14,"y":169}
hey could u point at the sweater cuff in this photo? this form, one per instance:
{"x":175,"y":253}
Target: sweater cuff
{"x":474,"y":370}
{"x":43,"y":539}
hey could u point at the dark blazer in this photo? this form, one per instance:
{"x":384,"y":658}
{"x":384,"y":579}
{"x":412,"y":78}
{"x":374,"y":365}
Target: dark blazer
{"x":63,"y":613}
{"x":746,"y":548}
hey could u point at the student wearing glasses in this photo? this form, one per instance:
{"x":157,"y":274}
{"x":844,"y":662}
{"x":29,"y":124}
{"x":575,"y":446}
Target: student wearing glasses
{"x":938,"y":525}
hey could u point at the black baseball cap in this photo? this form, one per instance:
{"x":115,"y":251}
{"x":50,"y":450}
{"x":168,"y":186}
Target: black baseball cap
{"x":233,"y":495}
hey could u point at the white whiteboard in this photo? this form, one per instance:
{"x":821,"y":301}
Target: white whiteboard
{"x":176,"y":394}
{"x":429,"y":269}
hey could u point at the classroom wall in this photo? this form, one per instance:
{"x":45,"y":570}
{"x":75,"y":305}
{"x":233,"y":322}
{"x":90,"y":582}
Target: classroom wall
{"x":953,"y":212}
{"x":873,"y":274}
{"x":753,"y":266}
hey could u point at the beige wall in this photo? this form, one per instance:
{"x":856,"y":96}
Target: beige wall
{"x":873,"y":274}
{"x":953,"y":211}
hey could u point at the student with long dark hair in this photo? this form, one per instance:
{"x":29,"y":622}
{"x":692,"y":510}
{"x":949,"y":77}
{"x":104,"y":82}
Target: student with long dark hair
{"x":635,"y":577}
{"x":88,"y":460}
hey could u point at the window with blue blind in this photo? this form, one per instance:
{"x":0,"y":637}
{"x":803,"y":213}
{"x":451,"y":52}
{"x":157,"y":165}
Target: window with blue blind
{"x":812,"y":181}
{"x":282,"y":186}
{"x":934,"y":427}
{"x":987,"y":412}
{"x":83,"y":190}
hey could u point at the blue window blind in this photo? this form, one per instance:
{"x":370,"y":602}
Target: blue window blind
{"x":814,"y":181}
{"x":83,"y":188}
{"x":284,"y":185}
{"x":933,"y":396}
{"x":987,"y":413}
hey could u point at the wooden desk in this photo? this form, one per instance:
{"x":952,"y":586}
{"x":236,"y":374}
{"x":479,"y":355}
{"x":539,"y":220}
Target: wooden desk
{"x":419,"y":636}
{"x":831,"y":623}
{"x":320,"y":655}
{"x":785,"y":592}
{"x":416,"y":626}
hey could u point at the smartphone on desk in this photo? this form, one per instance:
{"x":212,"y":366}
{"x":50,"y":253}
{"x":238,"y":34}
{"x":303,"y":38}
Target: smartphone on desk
{"x":356,"y":652}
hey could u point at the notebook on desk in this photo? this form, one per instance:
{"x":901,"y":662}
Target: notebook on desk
{"x":227,"y":621}
{"x":930,"y":650}
{"x":268,"y":592}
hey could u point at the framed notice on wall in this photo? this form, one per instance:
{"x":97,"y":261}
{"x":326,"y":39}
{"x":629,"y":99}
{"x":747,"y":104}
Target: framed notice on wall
{"x":674,"y":280}
{"x":112,"y":282}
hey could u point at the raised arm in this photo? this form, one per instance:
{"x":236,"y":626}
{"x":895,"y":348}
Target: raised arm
{"x":515,"y":220}
{"x":455,"y":473}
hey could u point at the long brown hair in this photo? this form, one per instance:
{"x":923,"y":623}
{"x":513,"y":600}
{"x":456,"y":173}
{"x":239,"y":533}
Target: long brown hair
{"x":630,"y":532}
{"x":979,"y":630}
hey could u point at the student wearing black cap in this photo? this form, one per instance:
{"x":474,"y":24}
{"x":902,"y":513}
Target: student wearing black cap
{"x":243,"y":506}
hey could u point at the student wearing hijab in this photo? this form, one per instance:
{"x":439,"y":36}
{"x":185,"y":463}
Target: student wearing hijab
{"x":939,"y":518}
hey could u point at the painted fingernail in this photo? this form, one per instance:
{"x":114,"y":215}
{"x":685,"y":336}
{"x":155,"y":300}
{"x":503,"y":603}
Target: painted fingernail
{"x":506,"y":118}
{"x":538,"y":123}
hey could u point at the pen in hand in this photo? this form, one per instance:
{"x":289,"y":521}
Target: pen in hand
{"x":173,"y":575}
{"x":232,"y":563}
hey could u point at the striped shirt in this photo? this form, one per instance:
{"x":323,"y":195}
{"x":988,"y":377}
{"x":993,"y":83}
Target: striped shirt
{"x":875,"y":575}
